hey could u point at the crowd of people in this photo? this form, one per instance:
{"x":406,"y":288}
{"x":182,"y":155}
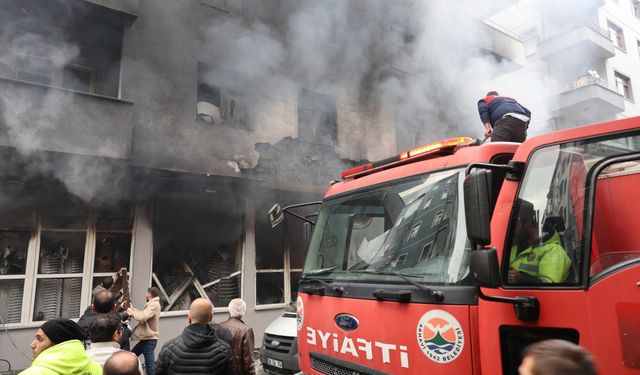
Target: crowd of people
{"x":98,"y":343}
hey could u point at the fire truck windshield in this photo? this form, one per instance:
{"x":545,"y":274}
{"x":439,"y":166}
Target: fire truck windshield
{"x":414,"y":226}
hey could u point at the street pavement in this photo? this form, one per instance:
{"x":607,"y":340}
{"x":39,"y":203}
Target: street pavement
{"x":259,"y":370}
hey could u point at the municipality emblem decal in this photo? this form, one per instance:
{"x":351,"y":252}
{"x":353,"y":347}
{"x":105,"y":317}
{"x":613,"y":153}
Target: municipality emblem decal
{"x":299,"y":313}
{"x":440,"y":336}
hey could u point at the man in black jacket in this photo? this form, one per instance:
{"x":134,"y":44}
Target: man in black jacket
{"x":200,"y":349}
{"x":504,"y":119}
{"x":104,"y":303}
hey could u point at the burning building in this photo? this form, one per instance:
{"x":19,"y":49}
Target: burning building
{"x":155,"y":135}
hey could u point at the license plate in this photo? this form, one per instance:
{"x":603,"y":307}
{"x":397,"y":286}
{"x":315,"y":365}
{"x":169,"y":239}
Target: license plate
{"x":274,"y":362}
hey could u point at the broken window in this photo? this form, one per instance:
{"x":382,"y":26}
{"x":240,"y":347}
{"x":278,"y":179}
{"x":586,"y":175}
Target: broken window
{"x":82,"y":52}
{"x":219,"y":104}
{"x":79,"y":78}
{"x":280,"y":255}
{"x":34,"y":69}
{"x":270,"y":260}
{"x":197,"y":249}
{"x":41,"y":70}
{"x":317,"y":117}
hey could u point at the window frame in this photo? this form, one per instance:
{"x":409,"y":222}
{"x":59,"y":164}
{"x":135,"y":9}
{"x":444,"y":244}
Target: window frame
{"x":585,"y":280}
{"x":55,"y":73}
{"x":87,"y":275}
{"x":617,"y":36}
{"x":635,"y":9}
{"x":286,"y":273}
{"x":227,"y":99}
{"x":626,"y":85}
{"x":590,"y":204}
{"x":316,"y":108}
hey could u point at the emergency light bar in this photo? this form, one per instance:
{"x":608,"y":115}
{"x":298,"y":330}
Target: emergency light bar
{"x":438,"y":148}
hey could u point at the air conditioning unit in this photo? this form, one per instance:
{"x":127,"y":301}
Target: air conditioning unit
{"x":208,"y":113}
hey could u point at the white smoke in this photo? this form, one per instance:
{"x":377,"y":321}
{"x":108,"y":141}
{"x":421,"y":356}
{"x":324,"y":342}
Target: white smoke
{"x":420,"y":66}
{"x":30,"y":116}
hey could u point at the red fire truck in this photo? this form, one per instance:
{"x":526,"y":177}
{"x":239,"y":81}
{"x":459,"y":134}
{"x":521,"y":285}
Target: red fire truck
{"x":409,"y":268}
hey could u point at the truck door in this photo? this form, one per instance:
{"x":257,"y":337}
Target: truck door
{"x":561,"y":235}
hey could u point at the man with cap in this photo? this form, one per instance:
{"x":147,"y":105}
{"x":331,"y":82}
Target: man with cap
{"x":58,"y":349}
{"x":536,"y":259}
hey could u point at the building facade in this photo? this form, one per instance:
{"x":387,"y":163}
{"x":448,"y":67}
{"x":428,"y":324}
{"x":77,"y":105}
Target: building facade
{"x":585,"y":55}
{"x":132,"y":135}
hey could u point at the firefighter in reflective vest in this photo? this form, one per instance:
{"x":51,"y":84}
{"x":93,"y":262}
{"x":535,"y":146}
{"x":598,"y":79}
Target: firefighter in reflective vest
{"x":534,"y":259}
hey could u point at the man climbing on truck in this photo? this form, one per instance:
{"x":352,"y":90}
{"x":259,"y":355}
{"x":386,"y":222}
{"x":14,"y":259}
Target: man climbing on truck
{"x":504,"y":119}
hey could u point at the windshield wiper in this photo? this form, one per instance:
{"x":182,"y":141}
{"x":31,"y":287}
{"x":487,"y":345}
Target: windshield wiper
{"x":317,"y":272}
{"x":337,"y":289}
{"x":437,"y":294}
{"x":320,"y":271}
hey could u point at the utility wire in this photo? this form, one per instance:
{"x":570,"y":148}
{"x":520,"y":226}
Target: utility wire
{"x":12,"y":343}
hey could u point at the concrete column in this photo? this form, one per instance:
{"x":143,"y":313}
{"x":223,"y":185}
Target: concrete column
{"x":142,"y":254}
{"x":249,"y":259}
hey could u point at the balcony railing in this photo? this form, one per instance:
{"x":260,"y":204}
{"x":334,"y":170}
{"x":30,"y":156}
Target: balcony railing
{"x":585,"y":81}
{"x":563,"y":29}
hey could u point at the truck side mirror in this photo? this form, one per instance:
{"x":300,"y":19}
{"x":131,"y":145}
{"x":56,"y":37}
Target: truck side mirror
{"x":477,"y":206}
{"x":276,"y":215}
{"x":484,"y":268}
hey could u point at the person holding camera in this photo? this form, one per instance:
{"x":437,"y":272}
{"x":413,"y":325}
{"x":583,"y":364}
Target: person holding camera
{"x":104,"y":303}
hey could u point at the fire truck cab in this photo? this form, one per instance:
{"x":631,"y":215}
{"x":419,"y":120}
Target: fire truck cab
{"x":420,"y":264}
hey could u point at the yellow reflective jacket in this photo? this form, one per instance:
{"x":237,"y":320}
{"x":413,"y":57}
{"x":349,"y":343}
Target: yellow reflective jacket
{"x":547,"y":261}
{"x":66,"y":357}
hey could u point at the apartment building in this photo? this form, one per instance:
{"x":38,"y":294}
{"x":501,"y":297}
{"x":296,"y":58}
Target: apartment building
{"x":155,"y":135}
{"x":585,"y":55}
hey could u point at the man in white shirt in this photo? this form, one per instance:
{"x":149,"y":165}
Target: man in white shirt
{"x":105,"y":333}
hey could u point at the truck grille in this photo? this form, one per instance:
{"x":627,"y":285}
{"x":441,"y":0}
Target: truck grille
{"x":340,"y":367}
{"x":278,"y":344}
{"x":272,"y":370}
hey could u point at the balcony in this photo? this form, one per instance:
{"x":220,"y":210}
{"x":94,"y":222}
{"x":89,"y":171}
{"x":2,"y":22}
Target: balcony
{"x":587,"y":100}
{"x":576,"y":48}
{"x":62,"y":120}
{"x":502,"y":43}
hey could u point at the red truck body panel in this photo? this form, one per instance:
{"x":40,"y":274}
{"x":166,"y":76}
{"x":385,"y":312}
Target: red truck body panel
{"x":605,"y":313}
